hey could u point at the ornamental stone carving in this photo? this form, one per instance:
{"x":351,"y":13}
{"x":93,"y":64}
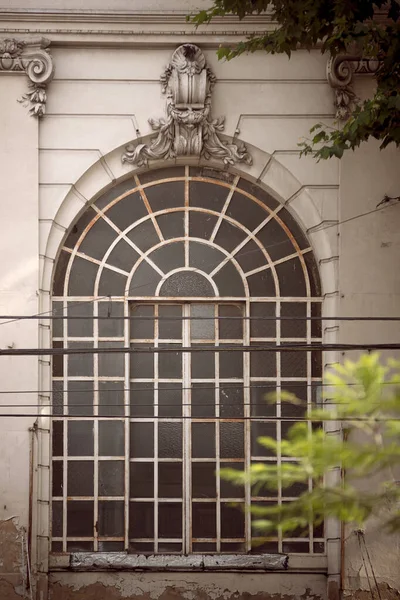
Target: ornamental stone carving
{"x":188,"y":129}
{"x":33,"y":59}
{"x":340,"y":72}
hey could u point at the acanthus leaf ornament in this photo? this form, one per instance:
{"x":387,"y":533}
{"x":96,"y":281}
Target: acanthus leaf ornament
{"x":32,"y":58}
{"x":188,"y":129}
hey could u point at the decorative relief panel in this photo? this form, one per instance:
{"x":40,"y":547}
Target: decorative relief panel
{"x":33,"y":59}
{"x":189,"y":129}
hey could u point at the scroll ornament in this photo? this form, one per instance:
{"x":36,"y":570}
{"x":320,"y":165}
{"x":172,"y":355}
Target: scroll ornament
{"x":33,"y":59}
{"x":189,"y":129}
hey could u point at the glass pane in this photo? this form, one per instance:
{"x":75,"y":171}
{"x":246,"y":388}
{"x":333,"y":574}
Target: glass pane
{"x":170,"y":440}
{"x":230,"y":328}
{"x":202,"y":324}
{"x":57,"y":519}
{"x":229,"y":282}
{"x":144,"y":235}
{"x":236,"y":547}
{"x":232,"y":521}
{"x":80,"y":398}
{"x":228,"y":489}
{"x":142,"y":322}
{"x":169,"y":548}
{"x":80,"y":364}
{"x":230,"y":363}
{"x":57,"y":478}
{"x":80,"y":327}
{"x":172,"y":225}
{"x":170,"y":321}
{"x":263,"y":364}
{"x":259,"y":393}
{"x":246,"y":211}
{"x":203,"y":400}
{"x":166,"y":195}
{"x":165,"y":173}
{"x":141,"y":480}
{"x":170,"y":480}
{"x":203,"y":362}
{"x":204,"y":547}
{"x":186,"y":284}
{"x":231,"y":440}
{"x":57,"y":324}
{"x":203,"y":257}
{"x":203,"y":480}
{"x":251,"y":257}
{"x":229,"y":236}
{"x":170,"y":400}
{"x":111,"y":326}
{"x":111,"y":438}
{"x":262,"y":284}
{"x":201,"y":225}
{"x":58,"y":361}
{"x":112,"y":283}
{"x":126,"y":211}
{"x":141,"y":547}
{"x":111,"y":365}
{"x":111,"y":478}
{"x":262,"y":322}
{"x":208,"y":195}
{"x":80,"y":478}
{"x":294,"y":364}
{"x":58,"y":546}
{"x":141,"y":363}
{"x":98,"y":239}
{"x":170,"y":362}
{"x":204,"y":520}
{"x":296,"y":327}
{"x":82,"y":277}
{"x":260,"y":429}
{"x":301,"y":547}
{"x":144,"y":281}
{"x":142,"y":399}
{"x":170,"y":520}
{"x":58,"y":398}
{"x":141,"y":440}
{"x":59,"y":276}
{"x":111,"y":518}
{"x":58,"y":438}
{"x":291,"y":278}
{"x":111,"y":398}
{"x":80,"y":518}
{"x":80,"y":438}
{"x":230,"y":401}
{"x":123,"y":256}
{"x":300,"y":391}
{"x":80,"y":546}
{"x":275,"y":240}
{"x":170,"y":256}
{"x":111,"y":546}
{"x":203,"y":440}
{"x":141,"y":520}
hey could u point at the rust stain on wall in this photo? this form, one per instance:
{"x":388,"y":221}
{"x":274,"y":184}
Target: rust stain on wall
{"x":386,"y":592}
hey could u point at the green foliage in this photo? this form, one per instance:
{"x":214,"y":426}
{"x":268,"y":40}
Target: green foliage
{"x":364,"y":398}
{"x":336,"y":27}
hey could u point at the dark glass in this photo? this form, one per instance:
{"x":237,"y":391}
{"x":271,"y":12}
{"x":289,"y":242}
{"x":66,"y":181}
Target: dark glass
{"x":201,"y":224}
{"x":141,"y":480}
{"x":296,"y":547}
{"x":80,"y":478}
{"x":80,"y":546}
{"x":316,"y":325}
{"x":141,"y":363}
{"x":57,"y":478}
{"x":165,"y":173}
{"x":171,"y":256}
{"x":57,"y":518}
{"x":111,"y":546}
{"x":57,"y":324}
{"x":229,"y":282}
{"x":169,"y":322}
{"x":316,"y":364}
{"x":141,"y":547}
{"x":227,"y":488}
{"x":291,"y":278}
{"x":81,"y":327}
{"x":141,"y":520}
{"x":231,"y":440}
{"x":231,"y":401}
{"x":204,"y":257}
{"x":111,"y":478}
{"x":113,"y":364}
{"x":111,"y":518}
{"x":58,"y":438}
{"x":293,"y":364}
{"x":186,"y":284}
{"x":263,"y":364}
{"x":123,"y":256}
{"x":170,"y":399}
{"x":202,"y":362}
{"x":80,"y":438}
{"x":56,"y":546}
{"x":318,"y":530}
{"x":246,"y":211}
{"x":236,"y":547}
{"x":262,"y":284}
{"x":142,"y":440}
{"x":82,"y":277}
{"x":293,"y":491}
{"x":111,"y":398}
{"x":58,"y":360}
{"x":170,"y":480}
{"x":229,"y":236}
{"x":202,"y":323}
{"x":230,"y":329}
{"x":144,"y":281}
{"x":232,"y":521}
{"x":260,"y":429}
{"x":166,"y":195}
{"x":259,"y":193}
{"x":318,"y":547}
{"x":208,"y":195}
{"x":172,"y":225}
{"x":59,"y":275}
{"x":80,"y":398}
{"x":170,"y":362}
{"x":275,"y":240}
{"x":295,"y":229}
{"x":230,"y":363}
{"x":142,"y":323}
{"x":98,"y":239}
{"x":204,"y":520}
{"x":142,"y":399}
{"x":79,"y":227}
{"x":111,"y":438}
{"x":169,"y":547}
{"x":110,"y":326}
{"x":205,"y":547}
{"x":128,"y":210}
{"x":203,"y":440}
{"x":203,"y":480}
{"x":259,"y":398}
{"x":170,"y":519}
{"x":144,"y":235}
{"x":112,"y":283}
{"x":170,"y":440}
{"x":297,"y":327}
{"x":259,"y":546}
{"x":80,"y":365}
{"x":263,"y":323}
{"x":300,"y":391}
{"x":80,"y":518}
{"x":203,"y":400}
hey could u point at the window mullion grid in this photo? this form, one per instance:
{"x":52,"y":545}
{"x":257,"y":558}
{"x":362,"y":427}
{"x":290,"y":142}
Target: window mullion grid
{"x":247,"y":424}
{"x":309,"y":403}
{"x":217,"y":429}
{"x":96,"y":426}
{"x":127,"y":422}
{"x":278,"y":411}
{"x":156,"y":336}
{"x":65,"y":428}
{"x":187,"y":438}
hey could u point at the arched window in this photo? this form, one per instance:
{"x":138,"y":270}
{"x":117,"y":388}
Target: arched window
{"x":186,"y":267}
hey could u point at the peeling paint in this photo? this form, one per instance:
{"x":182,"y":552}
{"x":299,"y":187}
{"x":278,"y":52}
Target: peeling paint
{"x":12,"y":585}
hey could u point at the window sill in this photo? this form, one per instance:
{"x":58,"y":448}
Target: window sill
{"x":120,"y":561}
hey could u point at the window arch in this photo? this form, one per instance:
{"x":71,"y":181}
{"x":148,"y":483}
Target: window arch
{"x":185,"y":266}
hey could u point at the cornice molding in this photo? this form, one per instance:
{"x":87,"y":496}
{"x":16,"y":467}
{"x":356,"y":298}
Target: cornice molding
{"x":33,"y":59}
